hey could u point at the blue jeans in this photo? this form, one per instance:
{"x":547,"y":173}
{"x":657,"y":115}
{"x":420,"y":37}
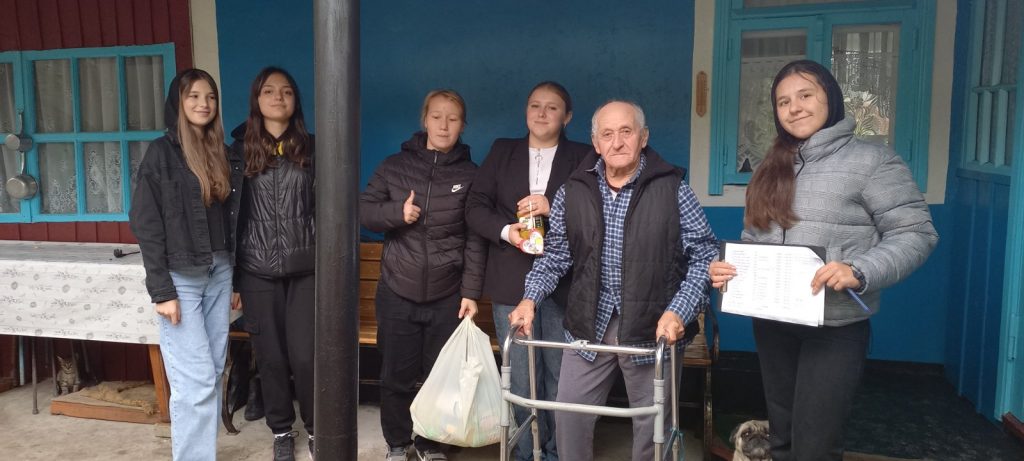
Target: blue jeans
{"x":547,"y":325}
{"x":194,"y":351}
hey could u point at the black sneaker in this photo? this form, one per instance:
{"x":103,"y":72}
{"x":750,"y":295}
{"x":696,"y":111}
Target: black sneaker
{"x":397,"y":454}
{"x":284,"y":446}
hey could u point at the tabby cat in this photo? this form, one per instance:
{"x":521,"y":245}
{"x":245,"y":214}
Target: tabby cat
{"x":67,"y":376}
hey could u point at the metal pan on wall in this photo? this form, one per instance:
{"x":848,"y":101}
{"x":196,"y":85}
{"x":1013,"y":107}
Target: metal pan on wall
{"x":21,"y":186}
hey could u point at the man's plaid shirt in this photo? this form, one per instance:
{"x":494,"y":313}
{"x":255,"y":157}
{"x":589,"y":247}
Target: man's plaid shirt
{"x":695,"y":239}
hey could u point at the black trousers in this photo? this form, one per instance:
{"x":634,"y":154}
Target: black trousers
{"x":810,"y":378}
{"x":279,"y":316}
{"x":409,"y":337}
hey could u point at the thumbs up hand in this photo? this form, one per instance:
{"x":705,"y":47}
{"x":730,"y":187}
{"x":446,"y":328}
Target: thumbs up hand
{"x":410,"y":211}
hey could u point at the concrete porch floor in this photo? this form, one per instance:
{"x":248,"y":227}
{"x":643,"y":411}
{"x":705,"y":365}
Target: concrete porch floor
{"x":28,"y":437}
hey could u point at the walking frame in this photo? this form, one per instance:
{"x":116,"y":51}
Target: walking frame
{"x":510,"y":435}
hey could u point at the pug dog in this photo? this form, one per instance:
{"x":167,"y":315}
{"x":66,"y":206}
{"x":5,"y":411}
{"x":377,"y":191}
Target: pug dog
{"x":751,"y":441}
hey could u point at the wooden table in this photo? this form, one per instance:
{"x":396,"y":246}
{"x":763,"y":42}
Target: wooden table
{"x":81,"y":291}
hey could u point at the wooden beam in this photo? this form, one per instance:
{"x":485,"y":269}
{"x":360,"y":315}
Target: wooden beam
{"x":160,"y":385}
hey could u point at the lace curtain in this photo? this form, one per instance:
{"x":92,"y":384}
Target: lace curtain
{"x":762,"y":53}
{"x":99,"y":112}
{"x":865,"y":61}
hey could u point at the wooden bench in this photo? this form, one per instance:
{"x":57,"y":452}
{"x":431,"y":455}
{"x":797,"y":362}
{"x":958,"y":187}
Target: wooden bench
{"x":369,"y":274}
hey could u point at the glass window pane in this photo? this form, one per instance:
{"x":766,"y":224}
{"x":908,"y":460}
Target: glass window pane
{"x":1014,"y":32}
{"x":100,"y":92}
{"x":10,"y":162}
{"x":103,"y":191}
{"x":144,"y":77}
{"x":136,"y":149}
{"x":1001,"y":68}
{"x":762,"y":53}
{"x":765,"y":3}
{"x":865,"y":61}
{"x":58,"y":182}
{"x":54,"y":105}
{"x":7,"y":120}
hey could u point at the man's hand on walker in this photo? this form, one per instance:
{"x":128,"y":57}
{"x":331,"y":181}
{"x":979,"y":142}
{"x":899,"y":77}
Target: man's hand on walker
{"x":523,"y":316}
{"x":670,"y":326}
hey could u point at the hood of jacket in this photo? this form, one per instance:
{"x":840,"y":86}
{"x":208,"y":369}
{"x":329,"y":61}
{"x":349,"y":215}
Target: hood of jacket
{"x":239,"y":132}
{"x":171,"y":108}
{"x":828,"y":140}
{"x":417,"y":144}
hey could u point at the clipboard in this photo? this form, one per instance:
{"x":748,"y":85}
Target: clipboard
{"x":773,"y":282}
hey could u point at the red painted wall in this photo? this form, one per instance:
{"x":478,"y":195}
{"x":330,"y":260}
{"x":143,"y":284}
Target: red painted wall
{"x":55,"y":24}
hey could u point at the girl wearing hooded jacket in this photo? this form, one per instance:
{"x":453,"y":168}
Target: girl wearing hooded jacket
{"x":277,"y":251}
{"x":184,"y":210}
{"x":432,"y":267}
{"x":819,"y":185}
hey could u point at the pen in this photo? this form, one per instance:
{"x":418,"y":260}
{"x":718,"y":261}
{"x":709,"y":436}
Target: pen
{"x":853,"y":294}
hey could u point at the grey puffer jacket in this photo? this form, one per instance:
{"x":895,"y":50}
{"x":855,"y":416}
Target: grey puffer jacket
{"x":858,"y":200}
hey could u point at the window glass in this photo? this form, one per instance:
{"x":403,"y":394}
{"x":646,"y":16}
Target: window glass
{"x":145,"y":92}
{"x":763,"y":53}
{"x":10,"y":163}
{"x":992,"y":105}
{"x":58,"y":182}
{"x":1001,"y":42}
{"x":767,"y":3}
{"x":103,"y":187}
{"x":54,"y":102}
{"x":100,"y":93}
{"x":865,"y":62}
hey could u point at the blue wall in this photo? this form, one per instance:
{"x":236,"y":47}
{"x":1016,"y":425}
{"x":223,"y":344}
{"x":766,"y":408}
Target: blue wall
{"x":493,"y":53}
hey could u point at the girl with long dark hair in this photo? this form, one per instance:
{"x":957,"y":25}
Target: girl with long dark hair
{"x":277,"y":251}
{"x":819,"y":185}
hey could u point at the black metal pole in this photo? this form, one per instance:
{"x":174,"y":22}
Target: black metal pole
{"x":336,"y":70}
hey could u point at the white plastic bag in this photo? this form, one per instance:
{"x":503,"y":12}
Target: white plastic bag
{"x":460,"y":402}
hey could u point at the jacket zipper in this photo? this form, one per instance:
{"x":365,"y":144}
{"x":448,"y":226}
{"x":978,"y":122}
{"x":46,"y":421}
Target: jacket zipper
{"x":625,"y":227}
{"x":803,"y":162}
{"x":277,"y":219}
{"x":425,"y":213}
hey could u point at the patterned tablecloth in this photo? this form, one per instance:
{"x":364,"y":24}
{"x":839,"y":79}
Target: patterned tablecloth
{"x":75,"y":290}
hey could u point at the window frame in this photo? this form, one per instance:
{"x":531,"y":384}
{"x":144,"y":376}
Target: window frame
{"x":972,"y":90}
{"x":14,"y":58}
{"x":31,"y":210}
{"x":917,"y":21}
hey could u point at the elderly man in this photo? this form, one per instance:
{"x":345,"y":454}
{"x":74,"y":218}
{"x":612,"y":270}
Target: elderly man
{"x":639,"y":246}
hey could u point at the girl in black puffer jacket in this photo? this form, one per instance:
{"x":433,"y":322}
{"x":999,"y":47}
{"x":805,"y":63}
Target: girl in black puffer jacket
{"x":276,"y":251}
{"x":432,"y":267}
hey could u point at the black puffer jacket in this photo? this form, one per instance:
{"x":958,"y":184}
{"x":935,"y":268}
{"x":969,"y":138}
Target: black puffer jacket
{"x":167,"y":214}
{"x":277,"y":219}
{"x":437,"y":255}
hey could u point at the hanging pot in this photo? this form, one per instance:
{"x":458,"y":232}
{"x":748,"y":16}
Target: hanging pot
{"x":22,"y":186}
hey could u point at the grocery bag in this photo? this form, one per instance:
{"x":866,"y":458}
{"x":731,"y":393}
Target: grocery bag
{"x":460,"y":402}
